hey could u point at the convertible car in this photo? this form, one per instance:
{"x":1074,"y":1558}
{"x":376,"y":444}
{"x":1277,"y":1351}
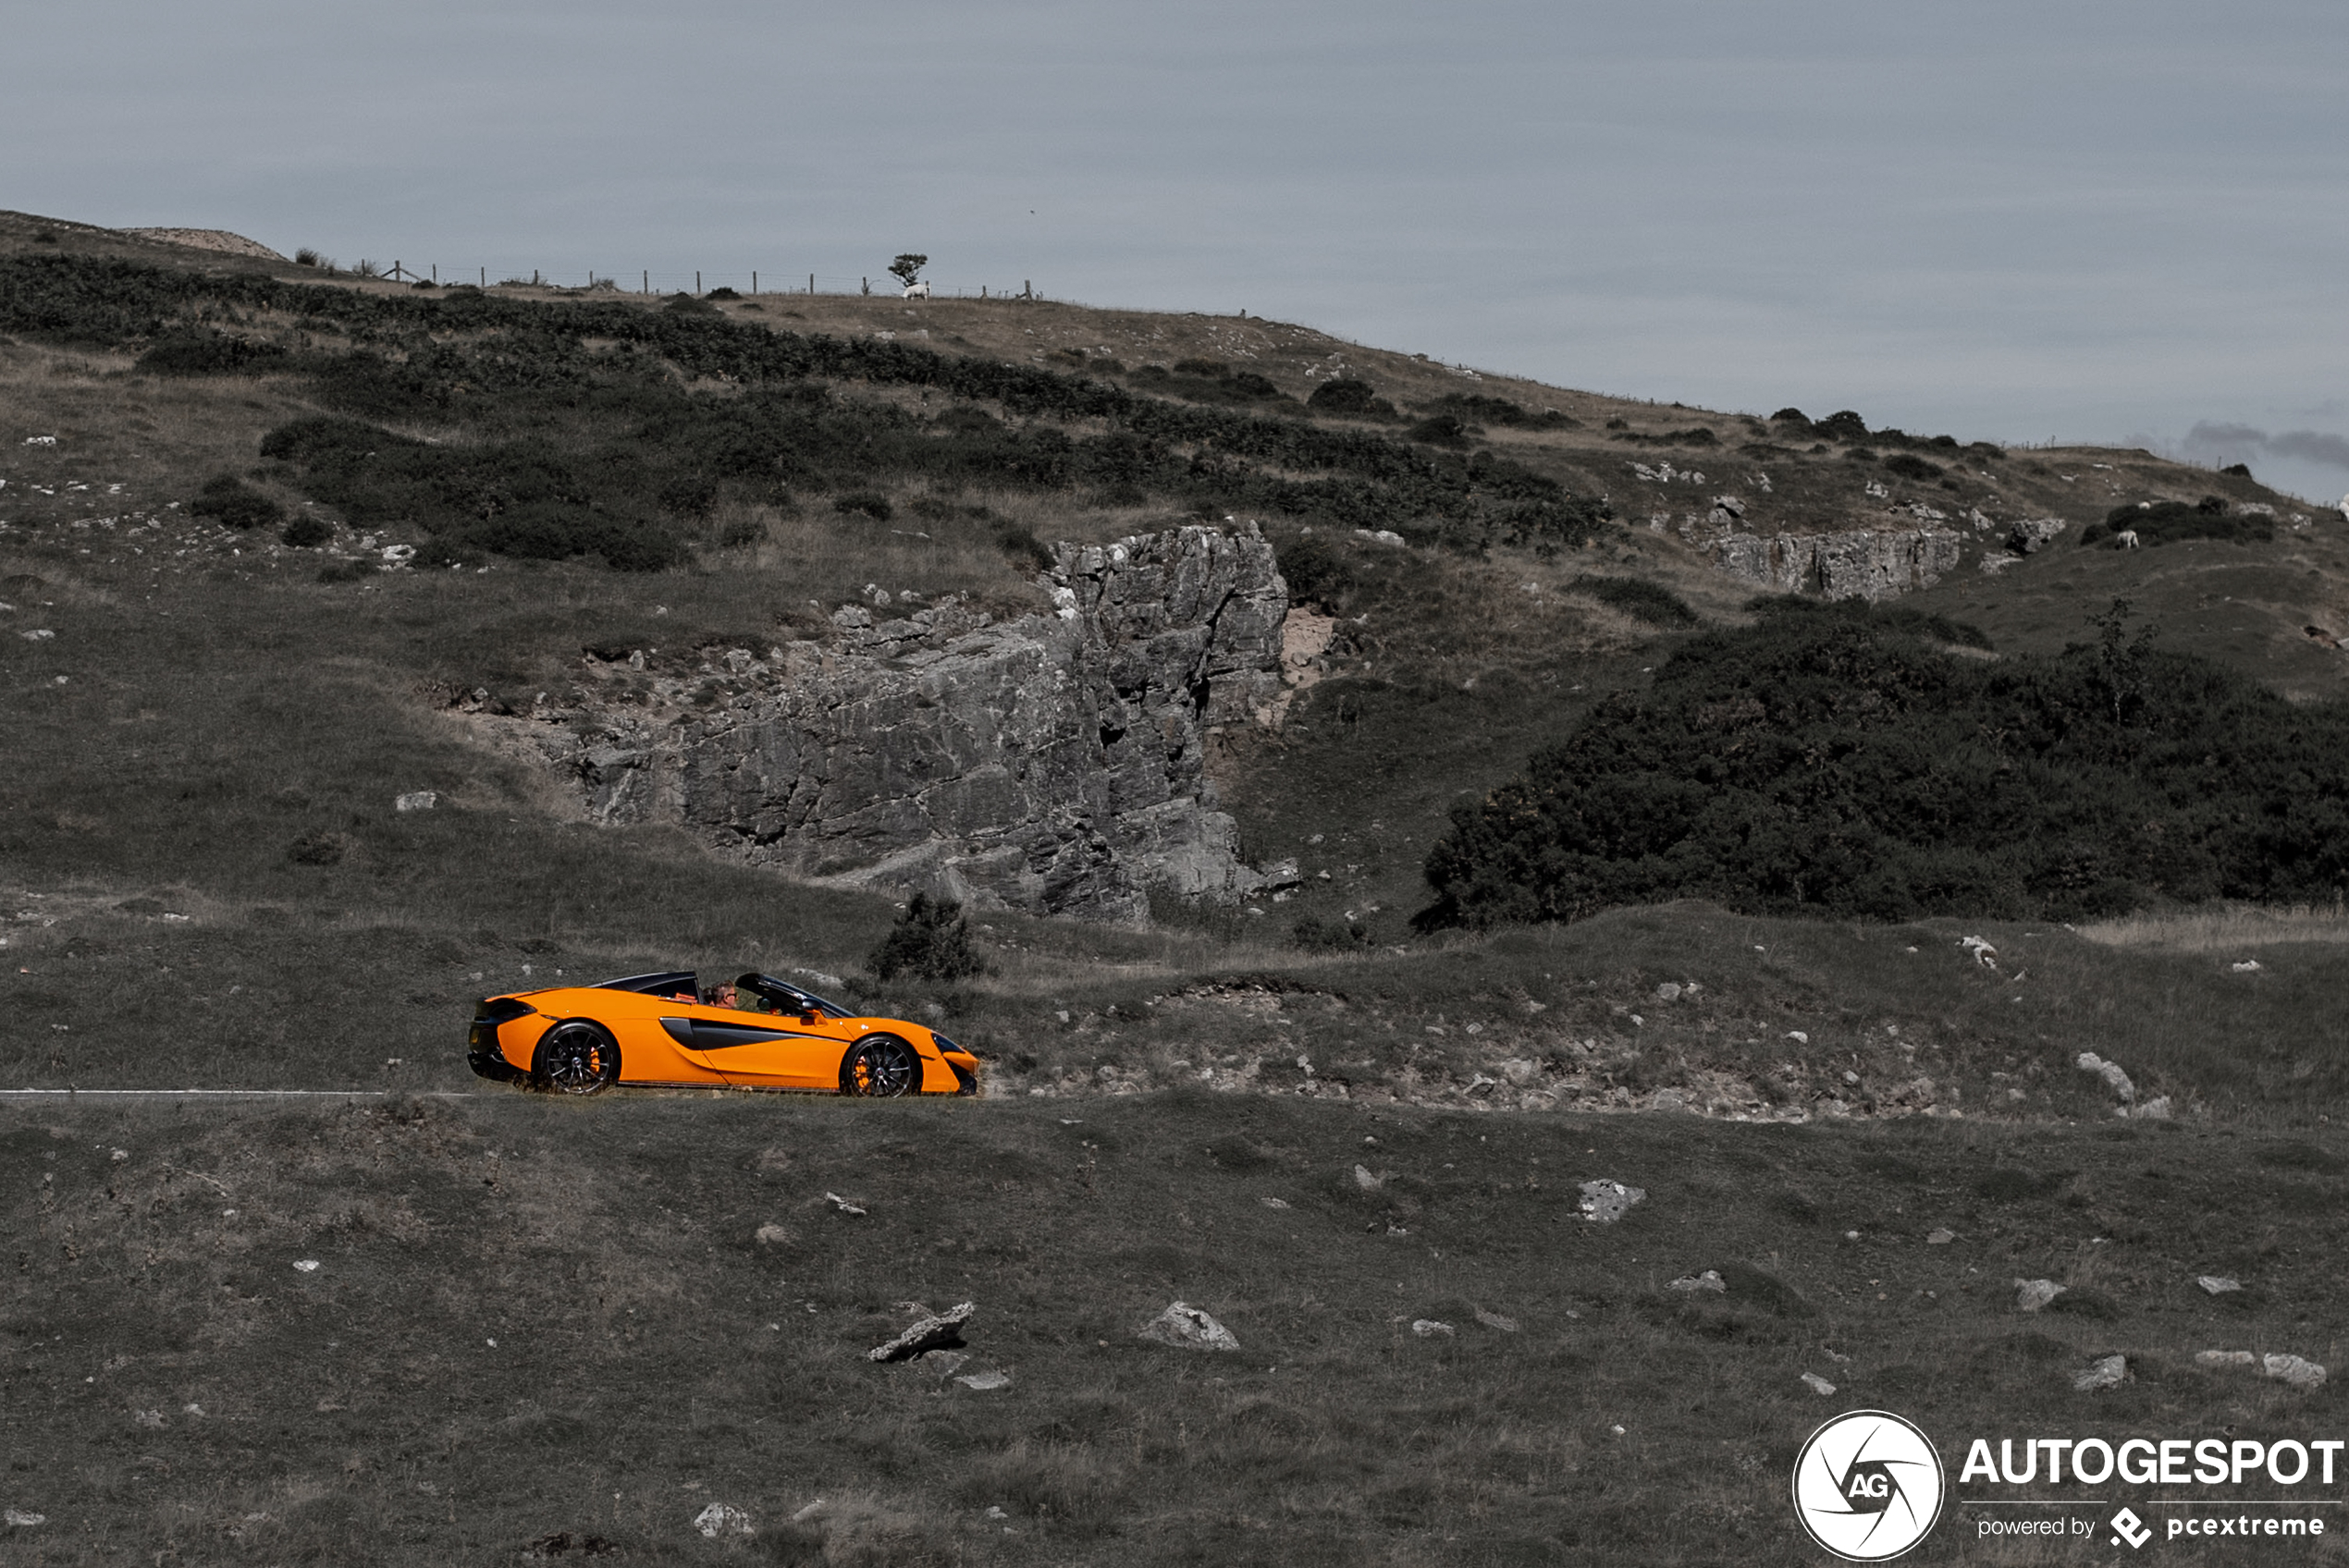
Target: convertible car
{"x":664,"y":1029}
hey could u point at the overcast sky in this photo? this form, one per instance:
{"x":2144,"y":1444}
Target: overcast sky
{"x":2072,"y":219}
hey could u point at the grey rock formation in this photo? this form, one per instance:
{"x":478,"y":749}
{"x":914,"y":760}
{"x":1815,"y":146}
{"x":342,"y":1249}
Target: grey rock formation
{"x":1605,"y":1202}
{"x":2034,"y":535}
{"x":1868,"y":564}
{"x":1055,"y":764}
{"x":1186,"y":1328}
{"x":939,"y":1331}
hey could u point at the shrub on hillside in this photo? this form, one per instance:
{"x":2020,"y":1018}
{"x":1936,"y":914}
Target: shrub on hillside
{"x":2166,"y":522}
{"x":1831,"y":761}
{"x":1638,"y":598}
{"x":235,"y":504}
{"x":864,"y":503}
{"x":1439,"y":430}
{"x":1348,"y":394}
{"x":1841,"y":425}
{"x":1482,"y":410}
{"x":931,"y":940}
{"x":1909,"y":467}
{"x":306,"y":533}
{"x":206,"y":352}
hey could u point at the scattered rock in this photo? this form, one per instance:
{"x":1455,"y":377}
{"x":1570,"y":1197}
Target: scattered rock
{"x":2301,"y":1374}
{"x":1667,"y":992}
{"x":20,"y":1519}
{"x":1941,"y":1237}
{"x":2225,"y":1358}
{"x":985,"y":1382}
{"x":1494,"y":1320}
{"x":1368,"y":1182}
{"x":2103,"y":1374}
{"x":843,"y":1206}
{"x":2034,"y":535}
{"x":1605,"y":1202}
{"x":1817,"y":1384}
{"x":2111,"y":1073}
{"x":151,"y":1419}
{"x":808,"y":1512}
{"x":2248,"y":966}
{"x":772,"y":1236}
{"x":939,"y":1331}
{"x":1708,"y":1280}
{"x":1984,"y":953}
{"x":721,"y":1519}
{"x":1428,"y":1328}
{"x":1186,"y":1328}
{"x":2154,"y":1110}
{"x":2217,"y":1285}
{"x":415,"y":800}
{"x":1274,"y":1203}
{"x":2030,"y":1295}
{"x":306,"y":1266}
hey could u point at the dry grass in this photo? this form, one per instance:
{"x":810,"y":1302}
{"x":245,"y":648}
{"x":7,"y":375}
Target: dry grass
{"x":2225,"y":929}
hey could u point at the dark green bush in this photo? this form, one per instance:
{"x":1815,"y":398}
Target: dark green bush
{"x":235,"y":504}
{"x":1316,"y":572}
{"x":306,"y":533}
{"x":1832,"y":760}
{"x":1638,"y":598}
{"x":1440,"y":429}
{"x":1346,"y":395}
{"x":864,"y":503}
{"x":721,"y":292}
{"x":931,"y":941}
{"x":1327,"y":934}
{"x":209,"y":353}
{"x":2167,"y":522}
{"x":1909,"y":467}
{"x":1482,"y":409}
{"x":1841,"y":425}
{"x":1212,"y":368}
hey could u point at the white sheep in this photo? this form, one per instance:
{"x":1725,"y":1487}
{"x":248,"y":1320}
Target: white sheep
{"x":2127,"y":538}
{"x":1984,"y":953}
{"x":917,"y":291}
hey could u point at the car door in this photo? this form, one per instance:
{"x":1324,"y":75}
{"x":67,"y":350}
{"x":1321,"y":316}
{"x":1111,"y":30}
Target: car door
{"x":758,"y":1050}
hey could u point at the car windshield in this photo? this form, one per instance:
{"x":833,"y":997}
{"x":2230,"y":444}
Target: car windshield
{"x":784,"y":997}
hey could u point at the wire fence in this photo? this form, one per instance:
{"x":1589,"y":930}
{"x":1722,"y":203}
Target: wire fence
{"x":646,"y":281}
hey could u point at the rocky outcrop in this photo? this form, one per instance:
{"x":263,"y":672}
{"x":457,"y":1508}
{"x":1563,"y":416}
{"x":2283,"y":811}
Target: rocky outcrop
{"x":1869,"y":564}
{"x":1055,"y":764}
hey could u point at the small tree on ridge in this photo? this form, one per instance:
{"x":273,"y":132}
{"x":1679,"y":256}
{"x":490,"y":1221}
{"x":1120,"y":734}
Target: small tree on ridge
{"x":907,"y":268}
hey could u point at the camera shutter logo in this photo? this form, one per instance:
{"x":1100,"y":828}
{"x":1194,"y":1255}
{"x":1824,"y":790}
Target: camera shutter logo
{"x":1868,"y":1486}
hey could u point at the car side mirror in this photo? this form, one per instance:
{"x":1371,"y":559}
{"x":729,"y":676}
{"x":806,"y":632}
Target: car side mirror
{"x":807,"y":1020}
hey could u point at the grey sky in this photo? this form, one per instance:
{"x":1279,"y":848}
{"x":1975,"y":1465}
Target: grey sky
{"x":2083,"y":219}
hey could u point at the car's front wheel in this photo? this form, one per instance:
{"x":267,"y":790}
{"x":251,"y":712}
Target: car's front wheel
{"x":576,"y":1057}
{"x":881,"y":1066}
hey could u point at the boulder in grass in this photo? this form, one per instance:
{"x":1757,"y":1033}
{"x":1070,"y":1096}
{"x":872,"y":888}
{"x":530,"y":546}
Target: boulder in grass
{"x":2030,"y":1295}
{"x":2104,"y":1373}
{"x":1817,"y":1384}
{"x":2217,"y":1285}
{"x":941,"y":1330}
{"x":2301,"y":1374}
{"x":1709,"y":1280}
{"x":721,"y":1519}
{"x":2218,"y":1360}
{"x":1186,"y":1328}
{"x":1604,"y":1202}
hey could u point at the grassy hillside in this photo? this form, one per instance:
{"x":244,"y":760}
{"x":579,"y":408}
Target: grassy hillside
{"x":203,"y":882}
{"x":531,"y":1320}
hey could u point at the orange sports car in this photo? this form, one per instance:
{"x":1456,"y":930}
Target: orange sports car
{"x":760,"y":1032}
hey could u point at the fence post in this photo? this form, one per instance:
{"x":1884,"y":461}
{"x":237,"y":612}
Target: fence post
{"x":866,"y":283}
{"x":697,"y":280}
{"x":1028,"y":288}
{"x":811,"y":285}
{"x":436,"y":274}
{"x":753,"y":280}
{"x":484,"y":277}
{"x":648,"y":282}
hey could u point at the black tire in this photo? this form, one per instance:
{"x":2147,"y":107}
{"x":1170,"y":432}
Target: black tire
{"x":576,"y":1057}
{"x":881,"y":1066}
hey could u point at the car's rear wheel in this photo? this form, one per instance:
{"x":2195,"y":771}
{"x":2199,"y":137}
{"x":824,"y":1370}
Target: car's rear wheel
{"x":881,"y":1066}
{"x":576,"y":1057}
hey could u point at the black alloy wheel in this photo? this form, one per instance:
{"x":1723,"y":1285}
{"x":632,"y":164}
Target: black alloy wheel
{"x":577,"y":1057}
{"x":881,"y":1066}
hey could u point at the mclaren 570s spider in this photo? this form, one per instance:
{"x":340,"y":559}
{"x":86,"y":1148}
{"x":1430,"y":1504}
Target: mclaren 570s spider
{"x":759,"y":1032}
